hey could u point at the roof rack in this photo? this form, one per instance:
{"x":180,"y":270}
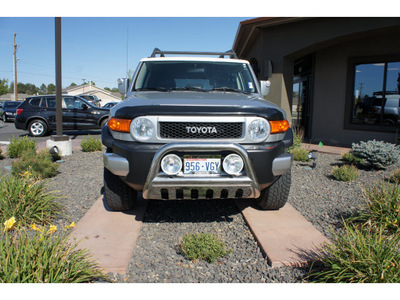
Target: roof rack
{"x":229,"y":53}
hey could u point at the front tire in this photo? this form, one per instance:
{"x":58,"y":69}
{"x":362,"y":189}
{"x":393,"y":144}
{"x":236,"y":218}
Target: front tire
{"x":118,"y":195}
{"x":37,"y":128}
{"x":276,"y":196}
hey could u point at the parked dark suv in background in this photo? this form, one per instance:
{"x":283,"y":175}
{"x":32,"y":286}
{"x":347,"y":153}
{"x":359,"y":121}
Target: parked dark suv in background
{"x":38,"y":114}
{"x":8,"y":110}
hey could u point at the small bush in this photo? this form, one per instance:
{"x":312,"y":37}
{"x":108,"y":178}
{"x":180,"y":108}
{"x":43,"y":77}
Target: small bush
{"x":345,"y":173}
{"x":300,"y":154}
{"x":91,"y":144}
{"x":43,"y":257}
{"x":298,"y":135}
{"x":27,"y":200}
{"x":1,"y":154}
{"x":351,"y":159}
{"x":359,"y":255}
{"x":40,"y":165}
{"x":376,"y":154}
{"x":204,"y":246}
{"x":382,"y":207}
{"x":19,"y":146}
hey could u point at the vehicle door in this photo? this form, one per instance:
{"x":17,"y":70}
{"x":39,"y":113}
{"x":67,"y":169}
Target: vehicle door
{"x":77,"y":113}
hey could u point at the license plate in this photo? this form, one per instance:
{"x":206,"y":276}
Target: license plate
{"x":201,"y":165}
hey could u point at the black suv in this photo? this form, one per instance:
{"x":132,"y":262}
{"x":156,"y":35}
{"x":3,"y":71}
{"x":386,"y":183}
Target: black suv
{"x":8,"y":110}
{"x":38,"y":114}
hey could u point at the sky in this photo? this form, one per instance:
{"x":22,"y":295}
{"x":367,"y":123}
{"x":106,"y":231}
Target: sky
{"x":102,"y":49}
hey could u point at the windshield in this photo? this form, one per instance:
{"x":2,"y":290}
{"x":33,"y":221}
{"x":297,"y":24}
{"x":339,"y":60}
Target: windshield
{"x":11,"y":104}
{"x":195,"y":75}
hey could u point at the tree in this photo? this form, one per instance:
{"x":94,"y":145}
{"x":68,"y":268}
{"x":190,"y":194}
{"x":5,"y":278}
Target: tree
{"x":31,"y":89}
{"x":51,"y":88}
{"x":43,"y":89}
{"x":3,"y":86}
{"x":73,"y":84}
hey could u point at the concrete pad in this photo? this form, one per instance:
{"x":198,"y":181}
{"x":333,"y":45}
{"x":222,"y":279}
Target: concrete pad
{"x":284,"y":235}
{"x":110,"y":236}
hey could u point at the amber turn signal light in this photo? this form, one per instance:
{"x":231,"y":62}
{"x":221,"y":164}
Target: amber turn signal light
{"x":279,"y":126}
{"x":121,"y":125}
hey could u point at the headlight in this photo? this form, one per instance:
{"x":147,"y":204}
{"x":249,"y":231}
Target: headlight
{"x":233,"y":164}
{"x":259,"y":129}
{"x":8,"y":113}
{"x":171,"y":164}
{"x":142,"y":129}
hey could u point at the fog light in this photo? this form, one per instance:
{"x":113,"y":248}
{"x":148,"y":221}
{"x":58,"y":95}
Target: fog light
{"x":171,"y":164}
{"x":233,"y":164}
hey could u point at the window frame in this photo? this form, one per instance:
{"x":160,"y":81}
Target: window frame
{"x":351,"y":74}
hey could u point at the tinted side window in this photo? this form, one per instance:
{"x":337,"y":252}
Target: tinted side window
{"x":51,"y":102}
{"x":35,"y":101}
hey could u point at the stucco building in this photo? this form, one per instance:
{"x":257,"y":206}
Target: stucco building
{"x":329,"y":74}
{"x":88,"y":89}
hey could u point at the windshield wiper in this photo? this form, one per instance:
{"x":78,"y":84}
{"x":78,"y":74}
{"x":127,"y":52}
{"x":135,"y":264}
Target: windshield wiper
{"x":160,"y":89}
{"x":227,"y":89}
{"x":187,"y":88}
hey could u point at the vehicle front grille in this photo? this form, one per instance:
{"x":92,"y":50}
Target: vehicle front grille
{"x":194,"y":130}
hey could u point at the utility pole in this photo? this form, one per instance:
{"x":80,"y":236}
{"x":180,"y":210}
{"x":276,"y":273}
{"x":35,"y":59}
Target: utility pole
{"x":15,"y":70}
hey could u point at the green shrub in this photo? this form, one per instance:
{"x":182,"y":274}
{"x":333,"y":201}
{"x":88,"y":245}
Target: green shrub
{"x":359,"y":255}
{"x":298,"y":135}
{"x":39,"y":165}
{"x":382,"y":207}
{"x":91,"y":144}
{"x":300,"y":154}
{"x":27,"y":199}
{"x":351,"y":159}
{"x":40,"y":257}
{"x":1,"y":154}
{"x":18,"y":146}
{"x":345,"y":173}
{"x":376,"y":154}
{"x":204,"y":246}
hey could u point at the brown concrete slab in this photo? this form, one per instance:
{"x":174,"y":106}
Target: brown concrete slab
{"x":284,"y":235}
{"x":110,"y":236}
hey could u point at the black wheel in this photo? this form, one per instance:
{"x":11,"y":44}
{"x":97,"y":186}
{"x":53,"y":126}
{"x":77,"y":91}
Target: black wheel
{"x":389,"y":122}
{"x":104,"y":123}
{"x":118,"y":195}
{"x":37,"y":128}
{"x":277,"y":194}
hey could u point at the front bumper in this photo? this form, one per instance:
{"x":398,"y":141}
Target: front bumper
{"x":139,"y":166}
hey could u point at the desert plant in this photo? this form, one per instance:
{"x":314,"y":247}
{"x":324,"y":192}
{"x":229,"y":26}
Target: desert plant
{"x":298,"y":134}
{"x":382,"y":207}
{"x":91,"y":144}
{"x":345,"y":173}
{"x":376,"y":154}
{"x":27,"y":199}
{"x":359,"y":254}
{"x":300,"y":154}
{"x":204,"y":246}
{"x":351,"y":159}
{"x":19,"y":146}
{"x":43,"y":257}
{"x":39,"y":165}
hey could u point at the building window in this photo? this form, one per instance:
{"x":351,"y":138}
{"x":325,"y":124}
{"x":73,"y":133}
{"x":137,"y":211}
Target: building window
{"x":376,"y":94}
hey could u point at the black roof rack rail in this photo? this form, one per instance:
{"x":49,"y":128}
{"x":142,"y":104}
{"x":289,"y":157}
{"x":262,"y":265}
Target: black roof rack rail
{"x":229,"y":53}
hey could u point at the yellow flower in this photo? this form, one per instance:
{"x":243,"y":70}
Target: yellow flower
{"x":72,"y":225}
{"x":52,"y":228}
{"x":33,"y":227}
{"x":9,"y":224}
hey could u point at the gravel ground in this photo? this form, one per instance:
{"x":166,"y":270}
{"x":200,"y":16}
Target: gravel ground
{"x":318,"y":197}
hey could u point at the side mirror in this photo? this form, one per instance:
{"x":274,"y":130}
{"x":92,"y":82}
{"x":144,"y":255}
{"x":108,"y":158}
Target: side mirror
{"x":123,"y":84}
{"x":265,"y":87}
{"x":84,"y":106}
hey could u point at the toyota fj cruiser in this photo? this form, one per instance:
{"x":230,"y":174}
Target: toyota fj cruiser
{"x":196,"y":128}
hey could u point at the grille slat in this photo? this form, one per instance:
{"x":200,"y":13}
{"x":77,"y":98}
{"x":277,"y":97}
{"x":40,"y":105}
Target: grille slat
{"x":194,"y":130}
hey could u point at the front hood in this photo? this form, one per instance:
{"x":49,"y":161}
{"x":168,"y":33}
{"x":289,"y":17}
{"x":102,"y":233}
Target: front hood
{"x":196,"y":103}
